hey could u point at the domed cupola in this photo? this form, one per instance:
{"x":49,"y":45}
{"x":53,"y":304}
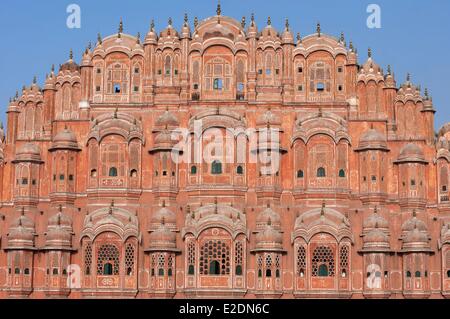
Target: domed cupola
{"x":265,"y":216}
{"x":411,"y":153}
{"x":269,"y":239}
{"x":50,"y":80}
{"x":186,"y":30}
{"x":29,"y":152}
{"x":409,"y":92}
{"x":151,"y":37}
{"x":70,"y":65}
{"x":415,"y":237}
{"x":375,"y":233}
{"x":389,"y":79}
{"x":269,"y":32}
{"x":370,"y":70}
{"x":428,"y":102}
{"x":65,"y":140}
{"x":169,"y":32}
{"x":21,"y":233}
{"x":167,"y":119}
{"x":166,"y":215}
{"x":59,"y":232}
{"x":163,"y":239}
{"x":287,"y":36}
{"x":373,"y":140}
{"x":252,"y":30}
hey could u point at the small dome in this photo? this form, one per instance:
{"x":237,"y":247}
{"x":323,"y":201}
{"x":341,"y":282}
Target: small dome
{"x":60,"y":220}
{"x":163,"y":138}
{"x":58,"y":237}
{"x":70,"y":66}
{"x":375,"y":220}
{"x":376,"y":236}
{"x":411,"y":153}
{"x":65,"y":139}
{"x":268,"y":216}
{"x":163,"y":238}
{"x":29,"y":149}
{"x":167,"y":119}
{"x":416,"y":236}
{"x":163,"y":216}
{"x":372,"y":139}
{"x":269,"y":238}
{"x":21,"y":233}
{"x":414,"y":223}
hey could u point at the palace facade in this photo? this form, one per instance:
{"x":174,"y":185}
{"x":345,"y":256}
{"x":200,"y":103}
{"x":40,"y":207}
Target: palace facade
{"x":94,"y":204}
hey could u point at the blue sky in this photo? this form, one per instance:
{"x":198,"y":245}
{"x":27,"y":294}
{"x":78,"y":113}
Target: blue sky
{"x":415,"y":34}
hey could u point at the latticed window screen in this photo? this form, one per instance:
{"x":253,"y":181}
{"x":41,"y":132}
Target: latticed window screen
{"x":323,"y":262}
{"x":108,"y":260}
{"x":301,"y":261}
{"x":218,"y":71}
{"x":129,"y":259}
{"x":88,"y":259}
{"x":215,"y":253}
{"x":170,"y":265}
{"x":238,"y":258}
{"x":191,"y":258}
{"x":343,"y":259}
{"x":117,"y":76}
{"x":320,"y":74}
{"x":260,"y":265}
{"x":153,"y":264}
{"x":161,"y":264}
{"x":113,"y":157}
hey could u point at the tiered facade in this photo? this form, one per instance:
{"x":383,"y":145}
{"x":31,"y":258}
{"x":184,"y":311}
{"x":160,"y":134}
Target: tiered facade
{"x":95,"y":202}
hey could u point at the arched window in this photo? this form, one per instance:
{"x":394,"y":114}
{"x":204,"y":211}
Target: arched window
{"x":321,"y":172}
{"x":93,"y":173}
{"x":417,"y":274}
{"x":133,"y":173}
{"x":238,"y":270}
{"x":300,"y":174}
{"x":268,"y":273}
{"x":26,"y":271}
{"x":108,"y":260}
{"x":107,"y":269}
{"x":239,"y":170}
{"x":113,"y":172}
{"x":129,"y":259}
{"x":323,"y":264}
{"x":191,"y":270}
{"x":168,"y":66}
{"x":216,"y":168}
{"x":88,"y":259}
{"x":408,"y":274}
{"x":301,"y":261}
{"x":238,"y":258}
{"x":323,"y":270}
{"x":448,"y":273}
{"x":214,"y":268}
{"x":193,"y":170}
{"x":341,"y":173}
{"x":191,"y":258}
{"x":17,"y":271}
{"x":215,"y":258}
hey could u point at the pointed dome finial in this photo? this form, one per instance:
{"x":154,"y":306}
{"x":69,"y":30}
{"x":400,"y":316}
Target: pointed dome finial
{"x":120,"y":27}
{"x":195,"y":23}
{"x":252,"y":18}
{"x":71,"y":55}
{"x":23,"y":211}
{"x":299,"y":38}
{"x":138,"y":38}
{"x":243,"y":22}
{"x":287,"y":24}
{"x":369,"y":52}
{"x":342,"y":39}
{"x":53,"y":68}
{"x":408,"y":77}
{"x":186,"y":19}
{"x":351,"y":46}
{"x":426,"y":93}
{"x":152,"y":25}
{"x":60,"y":209}
{"x":34,"y":79}
{"x":219,"y":9}
{"x":170,"y":21}
{"x":319,"y":30}
{"x":389,"y":69}
{"x":269,"y":21}
{"x":99,"y":38}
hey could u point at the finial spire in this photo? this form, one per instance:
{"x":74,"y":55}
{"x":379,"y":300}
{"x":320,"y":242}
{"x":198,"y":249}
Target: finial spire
{"x":253,"y":19}
{"x":120,"y":27}
{"x":138,"y":38}
{"x":195,"y":23}
{"x":319,"y":29}
{"x":71,"y":55}
{"x":342,"y":37}
{"x":287,"y":24}
{"x":269,"y":21}
{"x":34,"y":79}
{"x":351,"y":46}
{"x":99,"y":38}
{"x":408,"y":77}
{"x":152,"y":25}
{"x":369,"y":52}
{"x":186,"y":19}
{"x":426,"y":93}
{"x":170,"y":21}
{"x":299,"y":38}
{"x":389,"y":69}
{"x":243,"y":22}
{"x":219,"y":9}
